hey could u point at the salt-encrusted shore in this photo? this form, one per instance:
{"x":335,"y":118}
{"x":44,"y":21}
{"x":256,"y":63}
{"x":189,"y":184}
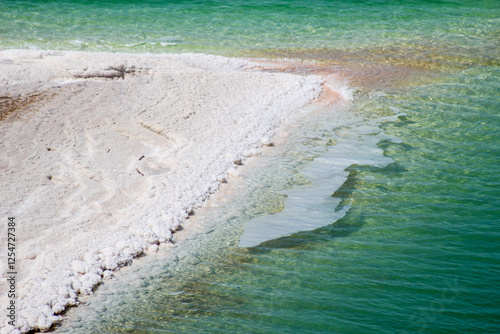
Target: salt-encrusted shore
{"x":103,"y":156}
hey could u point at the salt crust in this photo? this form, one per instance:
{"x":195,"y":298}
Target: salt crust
{"x":114,"y":153}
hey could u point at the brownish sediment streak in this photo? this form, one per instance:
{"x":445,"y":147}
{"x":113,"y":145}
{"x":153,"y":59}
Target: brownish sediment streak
{"x":360,"y":74}
{"x":420,"y":57}
{"x":369,"y":68}
{"x":12,"y":106}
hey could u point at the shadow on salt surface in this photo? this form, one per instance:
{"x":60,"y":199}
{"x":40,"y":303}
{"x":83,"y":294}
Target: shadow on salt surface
{"x":319,"y":203}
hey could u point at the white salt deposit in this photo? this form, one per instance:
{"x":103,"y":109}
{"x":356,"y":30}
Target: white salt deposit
{"x":103,"y":156}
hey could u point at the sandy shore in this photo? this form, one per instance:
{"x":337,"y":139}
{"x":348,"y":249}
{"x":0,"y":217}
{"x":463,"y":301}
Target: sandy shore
{"x":103,"y":156}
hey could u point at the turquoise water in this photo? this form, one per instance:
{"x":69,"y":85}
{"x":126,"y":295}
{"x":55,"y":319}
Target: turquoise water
{"x":418,"y":247}
{"x":237,"y":27}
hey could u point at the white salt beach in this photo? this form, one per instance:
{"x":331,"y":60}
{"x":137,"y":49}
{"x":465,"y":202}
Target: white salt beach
{"x":103,"y":156}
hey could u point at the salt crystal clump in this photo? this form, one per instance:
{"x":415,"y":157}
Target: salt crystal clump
{"x":112,"y":258}
{"x":132,"y":247}
{"x":222,"y":178}
{"x":80,"y":267}
{"x":8,"y":329}
{"x":234,"y":172}
{"x":89,"y":281}
{"x":44,"y":322}
{"x":40,"y":317}
{"x":92,"y":259}
{"x":146,"y":234}
{"x":266,"y":141}
{"x":152,"y":249}
{"x":107,"y":274}
{"x":235,"y":159}
{"x":161,"y":229}
{"x":251,"y":152}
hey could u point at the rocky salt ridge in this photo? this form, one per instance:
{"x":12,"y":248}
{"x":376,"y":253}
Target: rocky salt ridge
{"x":104,"y":156}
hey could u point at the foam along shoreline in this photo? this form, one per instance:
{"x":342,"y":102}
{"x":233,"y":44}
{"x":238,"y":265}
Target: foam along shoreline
{"x":103,"y":156}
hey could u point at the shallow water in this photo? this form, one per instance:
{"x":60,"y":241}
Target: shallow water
{"x":415,"y":246}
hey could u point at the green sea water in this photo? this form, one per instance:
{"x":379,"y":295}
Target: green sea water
{"x":418,"y":249}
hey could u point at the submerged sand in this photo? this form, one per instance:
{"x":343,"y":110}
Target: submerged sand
{"x":103,"y":156}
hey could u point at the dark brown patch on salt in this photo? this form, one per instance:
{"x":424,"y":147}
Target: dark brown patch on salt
{"x":391,"y":66}
{"x":15,"y":105}
{"x":11,"y":106}
{"x":360,"y":74}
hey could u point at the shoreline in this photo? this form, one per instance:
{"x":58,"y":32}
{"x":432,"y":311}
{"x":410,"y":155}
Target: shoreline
{"x":139,"y":140}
